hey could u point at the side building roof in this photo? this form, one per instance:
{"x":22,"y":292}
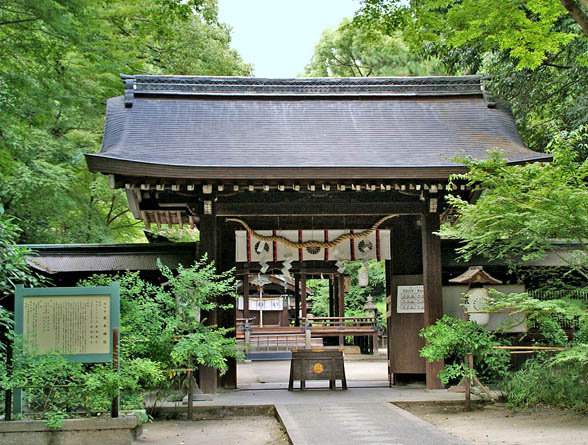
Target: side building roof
{"x":207,"y":128}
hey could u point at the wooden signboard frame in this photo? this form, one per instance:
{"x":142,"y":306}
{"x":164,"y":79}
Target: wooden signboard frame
{"x":78,"y":294}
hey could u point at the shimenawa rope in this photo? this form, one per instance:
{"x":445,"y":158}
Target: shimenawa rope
{"x":305,"y":244}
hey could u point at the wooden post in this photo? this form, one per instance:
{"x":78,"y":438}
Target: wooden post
{"x":335,"y":295}
{"x":469,"y":362}
{"x":331,"y":297}
{"x":227,"y":318}
{"x":432,"y":286}
{"x":341,"y":304}
{"x":388,"y":263}
{"x":208,"y":238}
{"x":246,"y":278}
{"x":190,"y":395}
{"x":114,"y":407}
{"x":303,"y":293}
{"x":8,"y":393}
{"x":297,"y":301}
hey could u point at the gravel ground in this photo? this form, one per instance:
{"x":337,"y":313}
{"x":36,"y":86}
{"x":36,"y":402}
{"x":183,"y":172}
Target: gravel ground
{"x":254,"y":430}
{"x":496,"y":424}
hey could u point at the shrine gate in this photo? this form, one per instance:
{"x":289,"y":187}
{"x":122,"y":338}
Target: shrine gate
{"x":307,"y":159}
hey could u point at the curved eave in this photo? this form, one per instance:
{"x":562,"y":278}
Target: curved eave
{"x":103,"y":164}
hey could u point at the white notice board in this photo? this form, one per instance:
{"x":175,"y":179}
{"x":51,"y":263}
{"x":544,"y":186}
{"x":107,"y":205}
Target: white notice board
{"x":411,"y":299}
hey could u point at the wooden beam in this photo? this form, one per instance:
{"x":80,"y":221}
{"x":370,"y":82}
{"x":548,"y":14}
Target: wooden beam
{"x":432,"y":286}
{"x":318,"y":208}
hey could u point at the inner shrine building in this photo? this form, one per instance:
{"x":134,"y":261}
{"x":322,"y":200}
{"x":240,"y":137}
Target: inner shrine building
{"x":308,"y":159}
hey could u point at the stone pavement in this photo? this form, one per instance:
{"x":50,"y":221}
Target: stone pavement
{"x":364,"y":414}
{"x":358,"y":423}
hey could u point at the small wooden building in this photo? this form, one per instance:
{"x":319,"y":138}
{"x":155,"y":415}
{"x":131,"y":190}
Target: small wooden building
{"x":324,"y":155}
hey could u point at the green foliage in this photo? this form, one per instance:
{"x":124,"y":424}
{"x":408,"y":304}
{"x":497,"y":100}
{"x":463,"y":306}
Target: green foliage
{"x":559,"y":381}
{"x":55,"y":388}
{"x":60,"y":62}
{"x":527,"y":30}
{"x":554,"y":378}
{"x":356,"y":297}
{"x":352,"y":52}
{"x":163,"y":324}
{"x":546,"y":316}
{"x":534,"y":52}
{"x":451,"y":339}
{"x":525,"y":210}
{"x":13,"y":265}
{"x":159,"y":330}
{"x":144,"y":312}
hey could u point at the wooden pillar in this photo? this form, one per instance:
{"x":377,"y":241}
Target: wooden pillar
{"x":405,"y":268}
{"x":227,"y":318}
{"x":341,"y":303}
{"x":246,"y":278}
{"x":335,"y":295}
{"x":432,"y":286}
{"x":297,"y":301}
{"x":388,"y":263}
{"x":303,"y":294}
{"x":331,"y":297}
{"x":341,"y":295}
{"x":208,"y":239}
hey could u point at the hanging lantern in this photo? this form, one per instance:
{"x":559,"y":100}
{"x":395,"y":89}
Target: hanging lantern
{"x":476,"y":296}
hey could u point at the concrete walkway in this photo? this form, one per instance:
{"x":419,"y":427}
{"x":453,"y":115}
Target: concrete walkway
{"x":358,"y":423}
{"x":363,"y":414}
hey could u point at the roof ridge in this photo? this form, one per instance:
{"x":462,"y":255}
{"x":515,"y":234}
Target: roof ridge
{"x":300,"y":86}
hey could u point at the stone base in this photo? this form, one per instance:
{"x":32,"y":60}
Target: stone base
{"x":351,"y":350}
{"x":119,"y":431}
{"x":198,"y":398}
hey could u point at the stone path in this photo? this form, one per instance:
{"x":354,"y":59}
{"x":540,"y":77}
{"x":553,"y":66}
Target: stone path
{"x":358,"y":423}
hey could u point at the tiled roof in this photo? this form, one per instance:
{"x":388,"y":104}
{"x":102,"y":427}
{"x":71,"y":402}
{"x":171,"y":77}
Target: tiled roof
{"x":183,"y":124}
{"x":55,"y":258}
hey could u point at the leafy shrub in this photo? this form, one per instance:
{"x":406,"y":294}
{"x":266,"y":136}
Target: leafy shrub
{"x":560,"y":380}
{"x":450,"y":339}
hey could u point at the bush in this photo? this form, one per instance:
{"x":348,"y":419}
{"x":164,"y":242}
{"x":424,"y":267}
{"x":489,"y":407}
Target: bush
{"x":450,"y":339}
{"x":560,"y":380}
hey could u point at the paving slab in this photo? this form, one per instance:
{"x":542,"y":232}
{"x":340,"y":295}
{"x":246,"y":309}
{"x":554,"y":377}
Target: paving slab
{"x":358,"y":423}
{"x":318,"y":393}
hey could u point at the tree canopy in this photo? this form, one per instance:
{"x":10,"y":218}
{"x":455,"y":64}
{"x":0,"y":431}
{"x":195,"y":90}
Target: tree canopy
{"x":526,"y":211}
{"x":60,"y":62}
{"x":535,"y":52}
{"x":354,"y":52}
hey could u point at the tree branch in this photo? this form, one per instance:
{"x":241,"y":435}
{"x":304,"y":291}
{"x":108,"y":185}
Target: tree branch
{"x":577,"y":13}
{"x":12,"y":22}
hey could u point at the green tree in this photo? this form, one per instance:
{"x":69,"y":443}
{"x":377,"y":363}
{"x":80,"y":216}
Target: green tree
{"x":60,"y":62}
{"x":526,"y":211}
{"x":352,"y":52}
{"x":535,"y":52}
{"x":14,"y":269}
{"x":528,"y":29}
{"x":356,"y":297}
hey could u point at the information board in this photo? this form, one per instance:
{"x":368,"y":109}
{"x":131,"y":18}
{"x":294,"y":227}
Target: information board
{"x":411,"y":299}
{"x":76,"y":321}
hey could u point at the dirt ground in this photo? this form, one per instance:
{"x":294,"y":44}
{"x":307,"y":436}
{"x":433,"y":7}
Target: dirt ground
{"x":496,"y":424}
{"x":250,"y":430}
